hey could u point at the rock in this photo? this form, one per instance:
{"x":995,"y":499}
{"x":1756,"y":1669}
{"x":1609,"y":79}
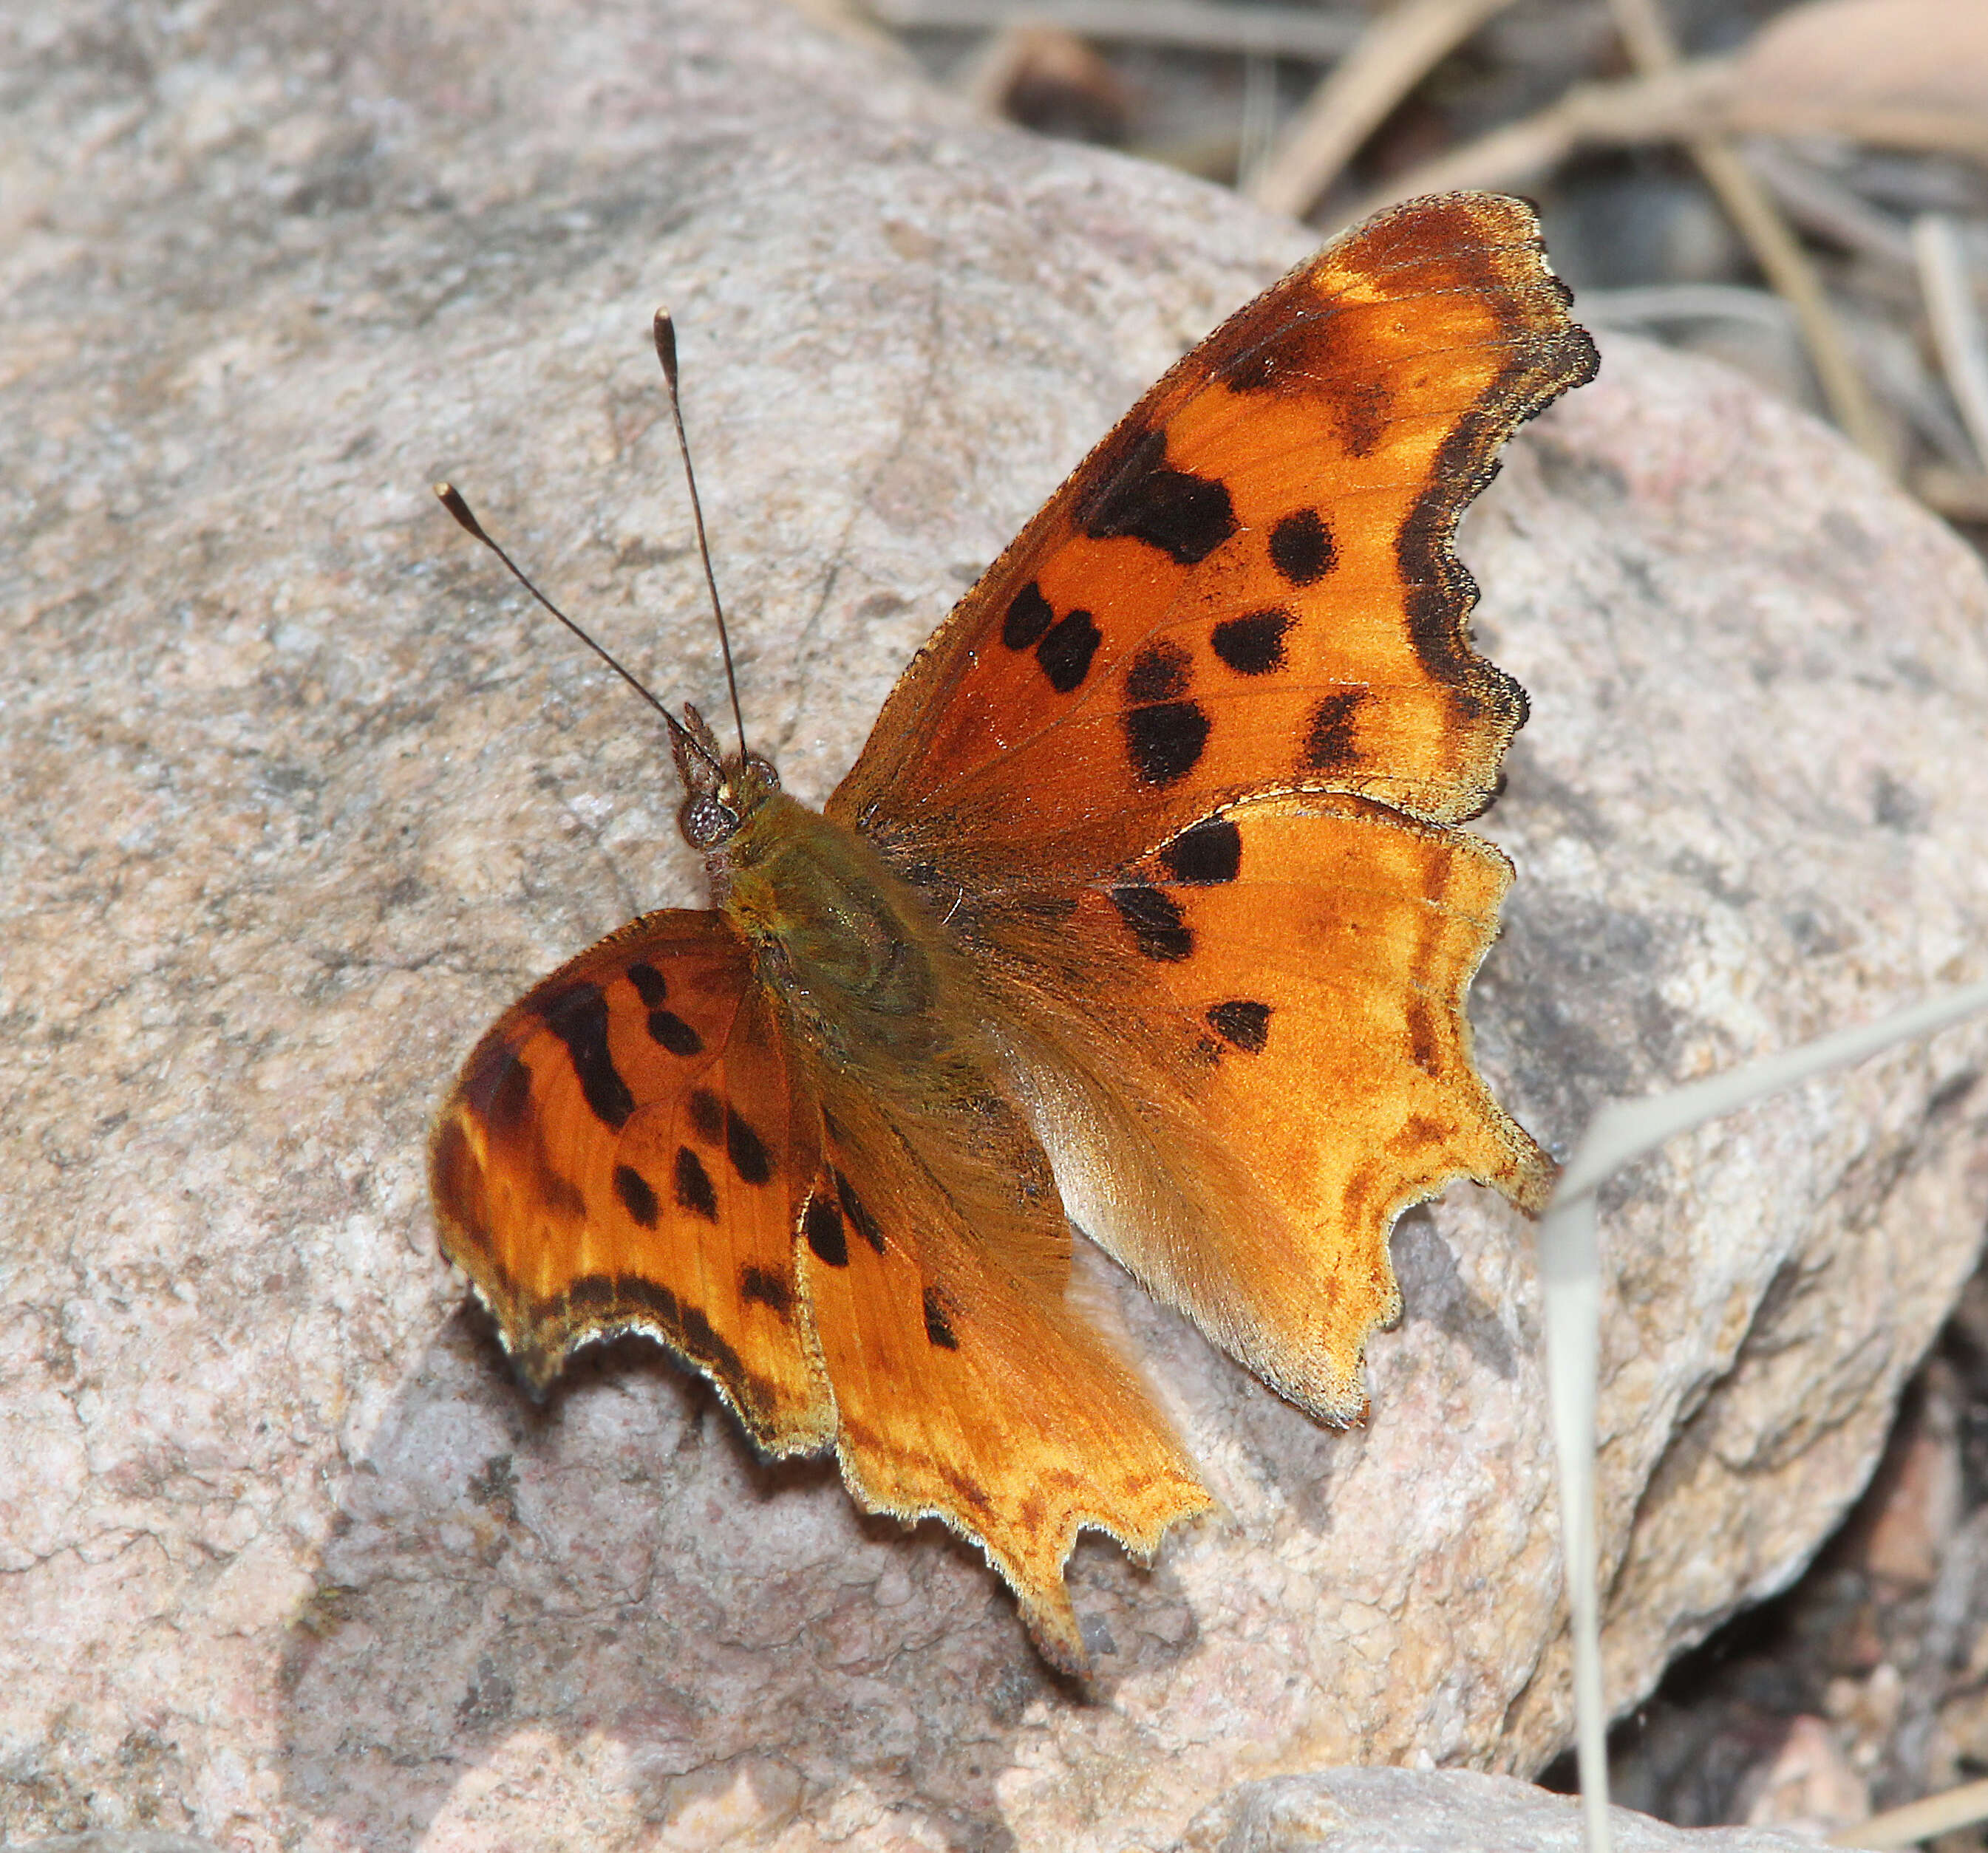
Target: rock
{"x":1914,"y":1503}
{"x":1418,"y":1811}
{"x":299,"y":793}
{"x":109,"y":1840}
{"x":1807,"y":1786}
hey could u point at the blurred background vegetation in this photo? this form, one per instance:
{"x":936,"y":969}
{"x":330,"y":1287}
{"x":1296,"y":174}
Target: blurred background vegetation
{"x":1799,"y":189}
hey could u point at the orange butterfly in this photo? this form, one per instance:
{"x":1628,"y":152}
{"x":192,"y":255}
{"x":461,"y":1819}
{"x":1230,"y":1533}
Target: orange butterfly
{"x":1144,"y":911}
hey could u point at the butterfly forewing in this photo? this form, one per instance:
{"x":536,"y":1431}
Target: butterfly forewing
{"x":620,"y":1155}
{"x":1249,"y":585}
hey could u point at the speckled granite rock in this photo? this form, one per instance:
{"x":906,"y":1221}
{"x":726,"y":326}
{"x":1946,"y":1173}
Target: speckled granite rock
{"x":298,"y":794}
{"x":1421,"y":1811}
{"x":110,"y":1840}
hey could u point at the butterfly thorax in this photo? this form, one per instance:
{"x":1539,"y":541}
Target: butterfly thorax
{"x":843,"y":940}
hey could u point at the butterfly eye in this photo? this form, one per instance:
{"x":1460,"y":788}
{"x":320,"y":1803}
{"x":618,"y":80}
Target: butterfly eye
{"x":762,"y":770}
{"x":705,"y":822}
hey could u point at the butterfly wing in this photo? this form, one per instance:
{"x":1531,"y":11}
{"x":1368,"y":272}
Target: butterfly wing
{"x":643,"y":1144}
{"x":1249,"y":582}
{"x":623,"y":1152}
{"x":1249,"y":1054}
{"x":935,"y":1264}
{"x":1238,"y":1020}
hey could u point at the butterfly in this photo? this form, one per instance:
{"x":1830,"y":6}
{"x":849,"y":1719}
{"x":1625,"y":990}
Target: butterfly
{"x":1145,"y":912}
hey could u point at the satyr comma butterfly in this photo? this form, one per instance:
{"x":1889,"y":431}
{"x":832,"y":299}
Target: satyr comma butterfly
{"x":1144,"y":911}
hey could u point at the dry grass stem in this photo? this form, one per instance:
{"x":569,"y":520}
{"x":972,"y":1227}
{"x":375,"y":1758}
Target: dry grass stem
{"x":1960,"y":495}
{"x":1686,"y":101}
{"x":850,"y":19}
{"x":1961,"y":1807}
{"x":1956,"y":318}
{"x":1393,"y":56}
{"x":1698,"y":98}
{"x":1620,"y":1132}
{"x":1776,"y":249}
{"x":1831,"y":210}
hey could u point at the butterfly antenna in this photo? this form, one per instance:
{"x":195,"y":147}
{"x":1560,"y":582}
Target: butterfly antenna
{"x":666,"y":352}
{"x":466,"y":520}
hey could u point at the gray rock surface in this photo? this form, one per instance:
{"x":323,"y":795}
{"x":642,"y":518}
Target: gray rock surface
{"x":298,"y":794}
{"x":1418,"y":1811}
{"x":110,"y":1840}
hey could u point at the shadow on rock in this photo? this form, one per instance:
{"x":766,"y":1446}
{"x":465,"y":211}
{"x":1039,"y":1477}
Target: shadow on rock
{"x":616,"y":1578}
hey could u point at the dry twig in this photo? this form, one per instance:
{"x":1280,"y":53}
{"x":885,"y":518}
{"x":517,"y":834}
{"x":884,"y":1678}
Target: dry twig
{"x":1823,"y":206}
{"x":1703,"y":97}
{"x":1906,"y":1827}
{"x":1395,"y":55}
{"x":1956,"y":318}
{"x":1689,"y":100}
{"x":1776,"y":248}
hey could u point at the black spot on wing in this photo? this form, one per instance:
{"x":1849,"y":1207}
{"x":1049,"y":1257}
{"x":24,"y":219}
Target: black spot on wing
{"x":853,"y":1207}
{"x":707,"y":1114}
{"x":1328,"y":744}
{"x":1301,"y":547}
{"x":821,"y":1222}
{"x":649,"y":984}
{"x":694,"y":1189}
{"x":717,"y":1122}
{"x":1292,"y":357}
{"x":762,"y":1287}
{"x":937,"y":1328}
{"x":1029,"y":614}
{"x":1067,"y":649}
{"x":1205,"y":853}
{"x":670,"y":1030}
{"x":747,"y":1150}
{"x":1253,"y":646}
{"x":1242,"y":1023}
{"x":1158,"y":927}
{"x":1365,"y":407}
{"x":1185,"y":517}
{"x":636,"y":1198}
{"x":1160,"y":672}
{"x":578,"y":1016}
{"x":591,"y":1295}
{"x":1165,"y":742}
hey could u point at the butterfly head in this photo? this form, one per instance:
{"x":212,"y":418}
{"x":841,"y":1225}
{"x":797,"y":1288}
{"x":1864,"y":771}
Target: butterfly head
{"x":721,"y":790}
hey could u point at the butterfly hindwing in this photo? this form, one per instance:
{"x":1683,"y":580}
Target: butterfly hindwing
{"x":620,"y":1155}
{"x":643,"y":1144}
{"x":1301,"y":1072}
{"x":1249,"y":584}
{"x":968,"y":1387}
